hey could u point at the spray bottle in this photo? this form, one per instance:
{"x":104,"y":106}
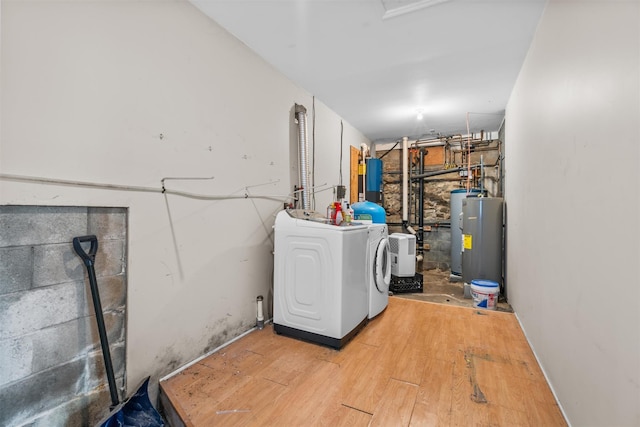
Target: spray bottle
{"x":331,"y":213}
{"x":338,"y":215}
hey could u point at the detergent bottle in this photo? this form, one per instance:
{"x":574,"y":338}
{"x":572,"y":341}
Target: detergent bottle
{"x":345,"y":212}
{"x":349,"y":213}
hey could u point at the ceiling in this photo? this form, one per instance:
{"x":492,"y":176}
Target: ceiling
{"x":377,"y":62}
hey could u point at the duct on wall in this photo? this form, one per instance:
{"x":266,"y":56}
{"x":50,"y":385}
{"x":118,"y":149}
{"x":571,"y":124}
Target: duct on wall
{"x":303,"y":155}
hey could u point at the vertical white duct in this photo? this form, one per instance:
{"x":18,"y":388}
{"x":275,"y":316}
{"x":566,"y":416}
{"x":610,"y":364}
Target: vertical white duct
{"x":405,"y":179}
{"x":303,"y":155}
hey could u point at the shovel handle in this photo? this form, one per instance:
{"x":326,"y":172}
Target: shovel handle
{"x":89,"y":261}
{"x":90,"y":257}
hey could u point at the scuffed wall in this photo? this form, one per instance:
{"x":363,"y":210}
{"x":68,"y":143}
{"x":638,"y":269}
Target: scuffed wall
{"x":129,"y":93}
{"x":572,"y":200}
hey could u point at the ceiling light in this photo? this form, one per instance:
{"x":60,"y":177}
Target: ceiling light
{"x":420,"y":115}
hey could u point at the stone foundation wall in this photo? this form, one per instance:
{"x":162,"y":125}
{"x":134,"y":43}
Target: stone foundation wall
{"x":437,"y":194}
{"x":51,"y":366}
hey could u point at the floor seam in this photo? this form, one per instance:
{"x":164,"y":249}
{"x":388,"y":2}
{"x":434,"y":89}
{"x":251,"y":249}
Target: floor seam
{"x":359,"y":410}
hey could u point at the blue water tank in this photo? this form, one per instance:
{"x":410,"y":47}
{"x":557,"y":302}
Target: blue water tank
{"x":363,"y":211}
{"x":374,"y":174}
{"x":374,"y":180}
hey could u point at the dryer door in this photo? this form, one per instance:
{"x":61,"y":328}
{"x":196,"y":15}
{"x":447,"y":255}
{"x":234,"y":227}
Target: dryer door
{"x":382,"y":268}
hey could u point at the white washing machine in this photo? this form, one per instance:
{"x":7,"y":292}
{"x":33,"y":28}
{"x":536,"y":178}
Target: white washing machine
{"x":378,"y":268}
{"x":320,"y":285}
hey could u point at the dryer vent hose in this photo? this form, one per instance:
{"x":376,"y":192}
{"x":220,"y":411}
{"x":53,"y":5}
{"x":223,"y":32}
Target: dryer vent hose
{"x":303,"y":155}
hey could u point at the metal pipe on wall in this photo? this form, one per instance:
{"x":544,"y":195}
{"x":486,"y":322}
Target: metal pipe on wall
{"x":420,"y":236}
{"x":500,"y":172}
{"x":436,"y":173}
{"x":427,"y":223}
{"x":405,"y":179}
{"x":303,"y":155}
{"x":476,"y":149}
{"x":481,"y":175}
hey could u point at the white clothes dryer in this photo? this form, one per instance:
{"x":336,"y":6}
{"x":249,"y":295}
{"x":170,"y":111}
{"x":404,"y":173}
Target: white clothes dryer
{"x":320,"y":286}
{"x":378,"y":268}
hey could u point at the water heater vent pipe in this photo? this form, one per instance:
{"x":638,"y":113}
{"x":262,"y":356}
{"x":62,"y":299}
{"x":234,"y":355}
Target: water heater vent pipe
{"x":303,"y":155}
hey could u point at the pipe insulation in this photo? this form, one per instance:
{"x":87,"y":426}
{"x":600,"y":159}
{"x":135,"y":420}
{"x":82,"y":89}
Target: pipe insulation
{"x":405,"y":179}
{"x":303,"y":155}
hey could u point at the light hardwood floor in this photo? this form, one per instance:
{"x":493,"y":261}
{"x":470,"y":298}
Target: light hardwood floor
{"x":416,"y":364}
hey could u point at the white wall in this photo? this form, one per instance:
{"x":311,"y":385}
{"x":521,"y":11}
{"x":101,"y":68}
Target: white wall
{"x":87,"y":90}
{"x":573,"y":231}
{"x":327,"y":152}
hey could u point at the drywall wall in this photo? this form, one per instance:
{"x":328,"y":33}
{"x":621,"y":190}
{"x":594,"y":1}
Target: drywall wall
{"x":331,"y":139}
{"x":129,"y":93}
{"x":572,"y":231}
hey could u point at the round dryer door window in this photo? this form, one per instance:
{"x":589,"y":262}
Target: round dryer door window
{"x":382,"y":269}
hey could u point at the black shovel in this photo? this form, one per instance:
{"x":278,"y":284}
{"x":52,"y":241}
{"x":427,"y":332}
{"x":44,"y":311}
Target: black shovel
{"x":137,"y":410}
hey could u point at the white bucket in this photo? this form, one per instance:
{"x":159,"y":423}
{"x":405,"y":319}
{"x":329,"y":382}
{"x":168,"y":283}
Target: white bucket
{"x":485,"y":294}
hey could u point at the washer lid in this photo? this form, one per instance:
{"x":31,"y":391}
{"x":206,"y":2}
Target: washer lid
{"x":382,"y":266}
{"x":311,"y":219}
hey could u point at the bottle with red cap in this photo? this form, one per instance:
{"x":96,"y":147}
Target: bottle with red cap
{"x":337,"y":219}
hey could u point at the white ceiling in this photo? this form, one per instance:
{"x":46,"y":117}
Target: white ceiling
{"x":376,"y":62}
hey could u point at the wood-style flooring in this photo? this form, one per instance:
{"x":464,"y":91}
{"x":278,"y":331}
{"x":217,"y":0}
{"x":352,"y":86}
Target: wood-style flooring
{"x":416,"y":364}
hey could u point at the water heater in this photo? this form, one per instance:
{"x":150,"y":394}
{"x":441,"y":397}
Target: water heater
{"x":457,"y":196}
{"x":403,"y":254}
{"x":482,"y":239}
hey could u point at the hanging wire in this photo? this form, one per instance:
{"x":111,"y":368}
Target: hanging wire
{"x":341,"y":135}
{"x":390,"y":149}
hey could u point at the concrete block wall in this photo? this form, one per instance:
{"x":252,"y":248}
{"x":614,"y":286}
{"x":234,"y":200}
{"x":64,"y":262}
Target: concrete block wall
{"x":51,"y":366}
{"x":439,"y":254}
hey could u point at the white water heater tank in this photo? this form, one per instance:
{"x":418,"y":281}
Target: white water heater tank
{"x":403,"y":254}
